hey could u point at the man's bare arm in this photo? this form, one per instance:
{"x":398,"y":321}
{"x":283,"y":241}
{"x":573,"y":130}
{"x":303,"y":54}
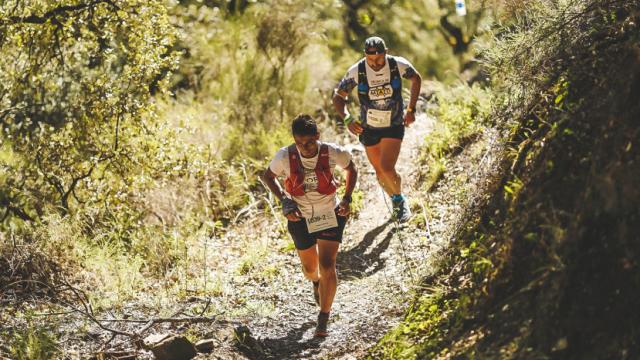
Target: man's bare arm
{"x":350,"y":184}
{"x":416,"y":84}
{"x":269,"y":178}
{"x":340,"y":102}
{"x":352,"y":178}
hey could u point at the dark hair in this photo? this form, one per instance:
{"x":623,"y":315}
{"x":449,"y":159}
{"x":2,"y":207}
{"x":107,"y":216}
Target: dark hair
{"x":304,"y":124}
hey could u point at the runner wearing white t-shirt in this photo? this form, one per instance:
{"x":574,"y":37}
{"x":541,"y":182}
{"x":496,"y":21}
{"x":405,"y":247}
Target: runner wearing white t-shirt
{"x":382,"y":119}
{"x":316,"y":218}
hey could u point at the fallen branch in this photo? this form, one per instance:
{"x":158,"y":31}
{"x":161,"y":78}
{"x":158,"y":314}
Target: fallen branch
{"x":245,"y":210}
{"x":192,"y":320}
{"x":87,"y":311}
{"x":195,"y":319}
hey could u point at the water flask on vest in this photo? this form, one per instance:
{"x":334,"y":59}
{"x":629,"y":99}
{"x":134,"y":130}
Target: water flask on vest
{"x":461,"y":9}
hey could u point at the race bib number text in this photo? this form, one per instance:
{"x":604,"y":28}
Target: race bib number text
{"x":378,"y":118}
{"x":322,"y":221}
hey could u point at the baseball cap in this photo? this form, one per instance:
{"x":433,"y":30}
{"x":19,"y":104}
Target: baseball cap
{"x":374,"y":45}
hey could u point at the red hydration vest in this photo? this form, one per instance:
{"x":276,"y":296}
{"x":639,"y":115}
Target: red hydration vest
{"x":294,"y":184}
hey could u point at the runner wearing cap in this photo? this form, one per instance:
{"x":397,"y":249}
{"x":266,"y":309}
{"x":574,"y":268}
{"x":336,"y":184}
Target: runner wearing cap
{"x":382,"y":114}
{"x":316,"y":218}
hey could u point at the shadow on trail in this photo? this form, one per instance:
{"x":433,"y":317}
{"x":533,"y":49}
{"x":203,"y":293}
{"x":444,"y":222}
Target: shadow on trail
{"x":289,"y":345}
{"x":354,"y":263}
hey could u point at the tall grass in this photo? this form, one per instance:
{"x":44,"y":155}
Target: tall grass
{"x":462,"y":111}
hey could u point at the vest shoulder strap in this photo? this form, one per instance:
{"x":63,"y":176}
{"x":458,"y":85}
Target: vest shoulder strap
{"x":323,"y":157}
{"x":295,"y":164}
{"x":362,"y":73}
{"x":393,"y":67}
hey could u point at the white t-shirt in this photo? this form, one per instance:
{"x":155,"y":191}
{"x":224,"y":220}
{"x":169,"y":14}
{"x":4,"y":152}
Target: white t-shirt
{"x":379,"y":88}
{"x":312,"y":201}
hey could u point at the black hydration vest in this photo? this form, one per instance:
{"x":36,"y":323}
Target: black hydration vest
{"x":394,"y":103}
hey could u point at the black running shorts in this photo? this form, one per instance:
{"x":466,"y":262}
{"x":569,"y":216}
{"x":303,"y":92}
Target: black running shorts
{"x":304,"y":240}
{"x":372,"y":136}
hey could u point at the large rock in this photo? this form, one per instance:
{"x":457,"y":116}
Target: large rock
{"x":171,"y":347}
{"x":205,"y":346}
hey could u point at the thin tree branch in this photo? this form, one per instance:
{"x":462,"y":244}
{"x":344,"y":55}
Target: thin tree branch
{"x":72,"y":186}
{"x":15,"y":210}
{"x":41,"y":19}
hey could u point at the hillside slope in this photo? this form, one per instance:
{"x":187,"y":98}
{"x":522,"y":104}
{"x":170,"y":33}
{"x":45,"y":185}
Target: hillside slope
{"x":548,"y":266}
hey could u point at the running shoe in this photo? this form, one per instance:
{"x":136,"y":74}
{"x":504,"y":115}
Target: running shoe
{"x":321,"y":327}
{"x":401,"y":210}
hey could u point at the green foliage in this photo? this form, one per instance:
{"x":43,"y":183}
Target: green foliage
{"x":253,"y":264}
{"x":132,"y":131}
{"x":76,"y":105}
{"x":247,"y":81}
{"x":519,"y":60}
{"x":446,"y":306}
{"x":416,"y":30}
{"x":33,"y":343}
{"x":436,"y":170}
{"x":425,"y":329}
{"x":512,"y":189}
{"x":289,"y":247}
{"x":357,"y":200}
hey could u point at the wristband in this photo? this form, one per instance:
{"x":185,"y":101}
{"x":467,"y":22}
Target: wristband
{"x":347,"y":197}
{"x":348,"y":119}
{"x":410,"y":109}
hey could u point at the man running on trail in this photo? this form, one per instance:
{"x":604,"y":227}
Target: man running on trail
{"x":316,"y":218}
{"x":382,"y":118}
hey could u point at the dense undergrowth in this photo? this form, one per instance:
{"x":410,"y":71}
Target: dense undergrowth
{"x":547,"y":266}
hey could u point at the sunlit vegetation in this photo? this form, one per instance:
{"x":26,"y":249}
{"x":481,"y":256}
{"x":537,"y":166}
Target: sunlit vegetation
{"x":462,"y":112}
{"x":133,"y":131}
{"x":128,"y":125}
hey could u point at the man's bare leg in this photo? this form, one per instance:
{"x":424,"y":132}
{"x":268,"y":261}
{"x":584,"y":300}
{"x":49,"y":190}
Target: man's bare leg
{"x":309,"y":260}
{"x":328,"y":251}
{"x":383,"y":157}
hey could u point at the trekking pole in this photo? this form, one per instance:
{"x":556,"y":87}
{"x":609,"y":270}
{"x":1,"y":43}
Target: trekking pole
{"x":399,"y":235}
{"x":427,"y":225}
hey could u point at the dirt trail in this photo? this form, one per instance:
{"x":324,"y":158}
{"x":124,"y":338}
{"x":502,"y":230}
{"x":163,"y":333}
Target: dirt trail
{"x":256,"y":289}
{"x":377,"y":265}
{"x":263,"y":305}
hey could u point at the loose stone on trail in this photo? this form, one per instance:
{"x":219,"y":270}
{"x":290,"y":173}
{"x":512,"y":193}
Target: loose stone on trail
{"x":170,"y":347}
{"x":205,"y":346}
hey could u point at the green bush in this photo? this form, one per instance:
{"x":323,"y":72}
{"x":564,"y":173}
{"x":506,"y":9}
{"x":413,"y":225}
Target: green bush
{"x":34,"y":344}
